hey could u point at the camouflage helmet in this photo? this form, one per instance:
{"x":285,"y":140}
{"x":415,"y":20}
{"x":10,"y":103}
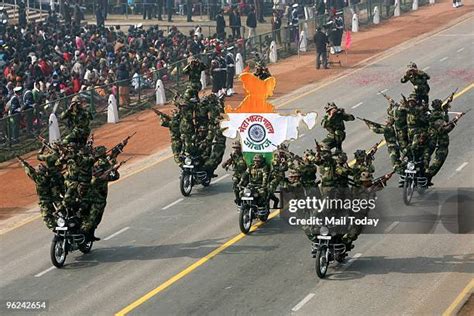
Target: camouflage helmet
{"x":411,"y":99}
{"x":202,"y":128}
{"x":359,"y":153}
{"x":330,"y":106}
{"x":436,"y":104}
{"x":341,"y":157}
{"x":309,"y":154}
{"x":412,"y":65}
{"x":366,"y":176}
{"x":258,"y":157}
{"x":293,"y":173}
{"x":100,"y":151}
{"x":236,"y":145}
{"x":326,"y":154}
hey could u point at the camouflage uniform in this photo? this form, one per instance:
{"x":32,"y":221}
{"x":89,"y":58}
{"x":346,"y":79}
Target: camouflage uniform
{"x":333,"y":122}
{"x":342,"y":171}
{"x":46,"y":196}
{"x":439,"y":131}
{"x":173,"y":123}
{"x":218,"y":148}
{"x":103,"y":173}
{"x":399,"y":114}
{"x":391,"y":139}
{"x":327,"y":170}
{"x":360,"y":166}
{"x":417,"y":123}
{"x":193,"y":70}
{"x":419,"y":80}
{"x":239,"y":166}
{"x":308,"y":169}
{"x":78,"y":120}
{"x":256,"y":175}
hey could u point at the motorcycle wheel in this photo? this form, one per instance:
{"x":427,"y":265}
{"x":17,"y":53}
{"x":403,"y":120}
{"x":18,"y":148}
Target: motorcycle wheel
{"x":186,"y":184}
{"x":58,"y":251}
{"x":322,"y":263}
{"x":408,"y":189}
{"x":86,"y":247}
{"x":245,"y":219}
{"x":206,"y":182}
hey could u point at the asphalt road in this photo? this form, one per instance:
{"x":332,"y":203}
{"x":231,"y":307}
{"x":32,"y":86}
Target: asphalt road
{"x":151,"y":233}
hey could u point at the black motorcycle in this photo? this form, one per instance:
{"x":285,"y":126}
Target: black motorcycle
{"x":413,"y":180}
{"x":190,"y":175}
{"x":250,"y":210}
{"x":328,"y":247}
{"x":68,"y":237}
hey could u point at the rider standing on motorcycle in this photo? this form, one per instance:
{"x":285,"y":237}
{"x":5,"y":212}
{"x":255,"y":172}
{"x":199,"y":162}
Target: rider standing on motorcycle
{"x":256,"y":176}
{"x":333,"y":122}
{"x":172,"y":122}
{"x":238,"y":165}
{"x":417,"y":123}
{"x":419,"y":80}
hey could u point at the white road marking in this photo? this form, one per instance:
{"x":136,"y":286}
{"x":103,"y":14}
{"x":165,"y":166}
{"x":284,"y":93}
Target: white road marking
{"x":464,"y":164}
{"x":172,"y":204}
{"x":383,"y":91}
{"x":221,"y":178}
{"x":444,"y":58}
{"x":115,"y":234}
{"x":357,"y":105}
{"x":302,"y":302}
{"x":391,"y":227}
{"x":302,"y":135}
{"x":426,"y":68}
{"x":460,"y":50}
{"x":44,"y":272}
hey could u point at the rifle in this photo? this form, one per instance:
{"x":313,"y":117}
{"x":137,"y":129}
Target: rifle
{"x":456,"y":119}
{"x":405,"y":101}
{"x":30,"y":170}
{"x":389,"y":99}
{"x":158,"y":112}
{"x":115,"y":167}
{"x":368,"y":122}
{"x":318,"y":147}
{"x":118,"y":149}
{"x":373,"y":150}
{"x":383,"y":179}
{"x":449,"y":99}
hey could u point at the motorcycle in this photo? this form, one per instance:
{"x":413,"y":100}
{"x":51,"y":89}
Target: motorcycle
{"x":250,"y":210}
{"x":68,"y":237}
{"x":328,"y":248}
{"x":190,"y":176}
{"x":413,"y":179}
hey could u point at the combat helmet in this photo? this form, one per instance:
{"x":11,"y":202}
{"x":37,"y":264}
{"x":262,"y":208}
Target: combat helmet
{"x":359,"y":153}
{"x":258,"y":158}
{"x":412,"y":65}
{"x":236,"y":144}
{"x":436,"y":104}
{"x":330,"y":106}
{"x":100,"y":151}
{"x":366,"y":176}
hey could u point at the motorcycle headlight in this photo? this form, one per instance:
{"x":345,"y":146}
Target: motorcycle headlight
{"x":61,"y":222}
{"x":247,"y":192}
{"x":188,"y":161}
{"x":411,"y":166}
{"x":324,"y":231}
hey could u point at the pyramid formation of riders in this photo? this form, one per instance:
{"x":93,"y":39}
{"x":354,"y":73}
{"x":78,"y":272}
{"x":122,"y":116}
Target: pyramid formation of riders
{"x":413,"y":131}
{"x":73,"y":174}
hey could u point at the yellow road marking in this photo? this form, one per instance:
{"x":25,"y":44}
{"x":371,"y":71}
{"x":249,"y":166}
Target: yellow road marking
{"x":221,"y":248}
{"x":189,"y":269}
{"x":453,"y":309}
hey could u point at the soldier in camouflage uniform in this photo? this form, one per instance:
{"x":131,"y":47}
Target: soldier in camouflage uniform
{"x":417,"y":123}
{"x":173,"y":123}
{"x":333,"y":122}
{"x":390,"y":137}
{"x":193,"y":70}
{"x":327,"y":171}
{"x":77,"y":119}
{"x":218,"y":148}
{"x":256,"y":176}
{"x":103,"y":173}
{"x":46,"y":194}
{"x":360,"y":166}
{"x":399,"y":114}
{"x":238,"y":165}
{"x":439,"y":132}
{"x":307,"y":169}
{"x":343,"y":171}
{"x":419,"y":80}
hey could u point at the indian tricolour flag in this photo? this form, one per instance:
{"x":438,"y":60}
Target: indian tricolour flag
{"x":255,"y":120}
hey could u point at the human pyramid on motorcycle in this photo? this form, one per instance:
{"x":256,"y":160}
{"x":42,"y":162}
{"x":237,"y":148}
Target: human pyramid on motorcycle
{"x":71,"y":179}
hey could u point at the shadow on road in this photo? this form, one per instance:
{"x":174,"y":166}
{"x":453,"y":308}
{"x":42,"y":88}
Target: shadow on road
{"x":383,"y":265}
